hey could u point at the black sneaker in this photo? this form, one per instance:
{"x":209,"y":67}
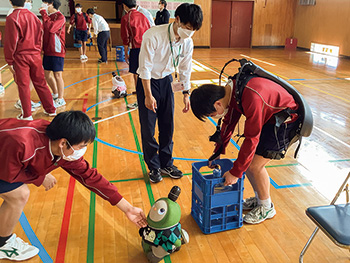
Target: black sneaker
{"x":154,"y":176}
{"x":172,"y":171}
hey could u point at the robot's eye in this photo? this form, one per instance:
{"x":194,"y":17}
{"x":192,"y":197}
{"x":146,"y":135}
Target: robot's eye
{"x":161,"y":211}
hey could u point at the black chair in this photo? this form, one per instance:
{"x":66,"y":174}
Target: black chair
{"x":333,"y":220}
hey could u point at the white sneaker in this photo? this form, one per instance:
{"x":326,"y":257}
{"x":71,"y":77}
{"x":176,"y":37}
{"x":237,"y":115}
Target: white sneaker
{"x":53,"y":114}
{"x":2,"y":90}
{"x":54,"y":96}
{"x":82,"y":57}
{"x":35,"y":105}
{"x":20,"y":117}
{"x":16,"y":249}
{"x":59,"y":102}
{"x":259,"y":214}
{"x":85,"y":57}
{"x":132,"y":106}
{"x":250,"y":203}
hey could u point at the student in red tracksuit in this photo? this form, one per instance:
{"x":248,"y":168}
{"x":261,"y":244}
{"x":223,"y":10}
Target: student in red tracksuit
{"x":54,"y":48}
{"x":82,"y":23}
{"x":133,"y":25}
{"x":22,"y":48}
{"x":261,"y":99}
{"x":29,"y":152}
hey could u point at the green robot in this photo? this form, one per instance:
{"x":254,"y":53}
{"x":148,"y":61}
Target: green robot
{"x":163,"y":235}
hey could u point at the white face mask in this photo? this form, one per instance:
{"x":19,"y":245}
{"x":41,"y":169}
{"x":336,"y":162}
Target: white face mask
{"x":28,"y":5}
{"x":78,"y":9}
{"x":76,"y":155}
{"x":184,"y":33}
{"x":43,"y":5}
{"x":219,"y":116}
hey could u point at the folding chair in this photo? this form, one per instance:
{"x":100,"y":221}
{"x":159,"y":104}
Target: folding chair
{"x":333,"y":220}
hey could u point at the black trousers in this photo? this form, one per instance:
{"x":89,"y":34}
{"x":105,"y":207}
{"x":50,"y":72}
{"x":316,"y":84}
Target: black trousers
{"x":157,"y":155}
{"x":102,"y":39}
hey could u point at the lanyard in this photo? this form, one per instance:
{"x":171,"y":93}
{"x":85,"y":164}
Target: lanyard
{"x":175,"y":60}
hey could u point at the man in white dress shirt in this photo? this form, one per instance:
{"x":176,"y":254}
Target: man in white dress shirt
{"x":165,"y":49}
{"x":101,"y":29}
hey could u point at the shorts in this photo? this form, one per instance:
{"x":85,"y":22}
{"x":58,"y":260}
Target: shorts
{"x":8,"y":187}
{"x":53,"y":63}
{"x":269,"y":142}
{"x":81,"y":35}
{"x":134,"y":60}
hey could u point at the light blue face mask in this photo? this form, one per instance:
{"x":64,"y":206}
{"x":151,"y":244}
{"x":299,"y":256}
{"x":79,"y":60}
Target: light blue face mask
{"x":76,"y":155}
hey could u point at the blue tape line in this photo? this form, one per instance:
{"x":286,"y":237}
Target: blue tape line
{"x":287,"y":185}
{"x":97,"y":104}
{"x":295,"y":79}
{"x":45,"y":257}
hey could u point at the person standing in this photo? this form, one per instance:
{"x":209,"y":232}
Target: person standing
{"x":165,"y":49}
{"x":102,"y":31}
{"x":54,"y":48}
{"x":22,"y":49}
{"x":31,"y":150}
{"x":133,"y":25}
{"x":163,"y":15}
{"x":146,"y":13}
{"x":82,"y":25}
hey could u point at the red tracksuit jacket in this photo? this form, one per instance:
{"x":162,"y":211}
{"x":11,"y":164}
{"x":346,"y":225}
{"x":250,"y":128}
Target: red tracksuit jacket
{"x":80,"y":24}
{"x":23,"y":34}
{"x":261,"y":99}
{"x":54,"y":34}
{"x":25,"y":156}
{"x":133,"y":25}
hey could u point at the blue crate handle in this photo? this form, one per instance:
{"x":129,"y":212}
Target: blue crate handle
{"x":225,"y":165}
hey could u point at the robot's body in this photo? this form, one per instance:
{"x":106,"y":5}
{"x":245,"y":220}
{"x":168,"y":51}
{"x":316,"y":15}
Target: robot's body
{"x":119,"y":87}
{"x":163,"y":235}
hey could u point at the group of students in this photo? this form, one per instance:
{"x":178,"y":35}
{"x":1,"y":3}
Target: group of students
{"x":35,"y":148}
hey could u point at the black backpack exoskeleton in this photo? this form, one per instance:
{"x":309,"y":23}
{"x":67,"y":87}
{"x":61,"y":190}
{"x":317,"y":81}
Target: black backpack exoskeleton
{"x":246,"y":72}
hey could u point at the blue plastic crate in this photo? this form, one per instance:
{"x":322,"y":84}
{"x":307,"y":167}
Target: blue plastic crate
{"x":120,"y":53}
{"x":215,"y":212}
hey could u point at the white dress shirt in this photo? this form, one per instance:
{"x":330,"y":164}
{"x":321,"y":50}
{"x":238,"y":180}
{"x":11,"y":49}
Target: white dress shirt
{"x":156,"y":59}
{"x":147,"y":14}
{"x":99,"y":24}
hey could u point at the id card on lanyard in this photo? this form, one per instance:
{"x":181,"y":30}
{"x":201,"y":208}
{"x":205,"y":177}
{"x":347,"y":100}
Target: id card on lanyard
{"x":176,"y":85}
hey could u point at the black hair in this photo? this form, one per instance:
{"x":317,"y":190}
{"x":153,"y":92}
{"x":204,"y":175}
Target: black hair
{"x":18,"y":2}
{"x":75,"y":126}
{"x":55,"y":3}
{"x":203,"y":99}
{"x":78,"y":5}
{"x":90,"y":11}
{"x":190,"y":13}
{"x":129,"y":3}
{"x":163,"y":2}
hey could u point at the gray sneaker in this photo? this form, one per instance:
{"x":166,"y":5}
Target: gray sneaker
{"x":259,"y":214}
{"x":250,"y":203}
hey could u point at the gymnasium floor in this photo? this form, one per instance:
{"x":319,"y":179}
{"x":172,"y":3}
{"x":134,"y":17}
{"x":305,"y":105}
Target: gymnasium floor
{"x":70,"y":224}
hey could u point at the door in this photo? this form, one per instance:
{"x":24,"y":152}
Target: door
{"x":241,"y":24}
{"x":221,"y":17}
{"x":231,"y":24}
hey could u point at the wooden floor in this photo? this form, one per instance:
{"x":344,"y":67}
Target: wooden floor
{"x":73,"y":225}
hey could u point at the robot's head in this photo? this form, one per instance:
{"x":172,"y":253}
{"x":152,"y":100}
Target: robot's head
{"x":165,"y":212}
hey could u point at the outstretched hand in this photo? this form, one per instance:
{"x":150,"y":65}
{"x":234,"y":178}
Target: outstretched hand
{"x":134,"y":214}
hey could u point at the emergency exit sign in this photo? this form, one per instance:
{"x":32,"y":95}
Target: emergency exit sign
{"x":325,"y":49}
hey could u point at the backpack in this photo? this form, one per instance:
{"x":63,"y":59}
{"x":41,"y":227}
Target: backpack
{"x":249,"y":70}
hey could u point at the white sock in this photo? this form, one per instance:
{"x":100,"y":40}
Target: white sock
{"x":266,"y":202}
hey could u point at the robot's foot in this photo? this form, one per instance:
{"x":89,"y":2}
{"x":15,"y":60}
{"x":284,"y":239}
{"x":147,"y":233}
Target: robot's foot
{"x":185,"y":237}
{"x":152,"y":258}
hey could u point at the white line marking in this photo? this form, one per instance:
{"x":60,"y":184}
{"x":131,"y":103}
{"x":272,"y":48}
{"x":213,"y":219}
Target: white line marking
{"x":120,"y":114}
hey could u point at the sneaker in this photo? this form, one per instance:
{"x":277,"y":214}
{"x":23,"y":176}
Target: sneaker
{"x":85,"y":57}
{"x":99,"y":60}
{"x":250,"y":203}
{"x":16,"y":249}
{"x":53,"y":114}
{"x":20,"y":117}
{"x":2,"y":90}
{"x":59,"y":102}
{"x":259,"y":214}
{"x":172,"y":171}
{"x":54,"y":96}
{"x":18,"y":105}
{"x":155,"y":177}
{"x":132,"y":106}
